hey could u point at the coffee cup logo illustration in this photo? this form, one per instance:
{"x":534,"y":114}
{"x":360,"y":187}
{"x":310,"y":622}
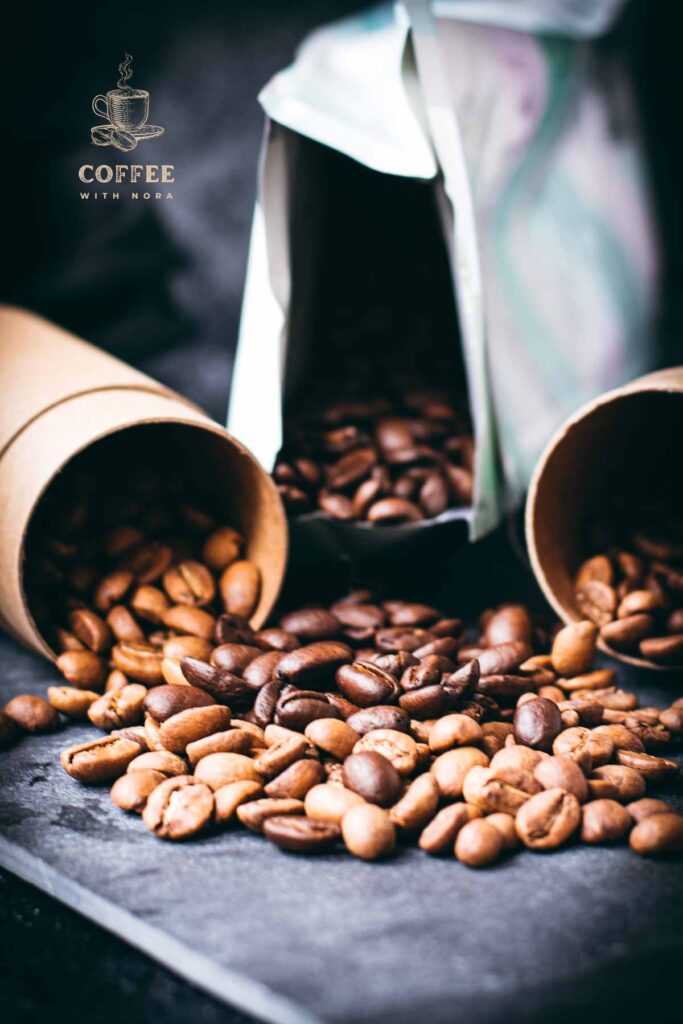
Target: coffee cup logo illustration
{"x":126,"y":111}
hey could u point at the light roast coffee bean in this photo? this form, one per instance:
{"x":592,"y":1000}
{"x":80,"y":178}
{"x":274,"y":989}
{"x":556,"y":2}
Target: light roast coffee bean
{"x":548,"y":819}
{"x":368,"y":832}
{"x":300,"y":835}
{"x":178,"y":808}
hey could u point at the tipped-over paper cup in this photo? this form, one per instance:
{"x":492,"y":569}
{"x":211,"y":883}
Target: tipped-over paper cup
{"x":620,"y":449}
{"x":61,"y":396}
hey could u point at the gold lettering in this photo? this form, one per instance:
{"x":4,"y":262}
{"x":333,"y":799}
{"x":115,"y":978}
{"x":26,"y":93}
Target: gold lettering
{"x":82,"y":172}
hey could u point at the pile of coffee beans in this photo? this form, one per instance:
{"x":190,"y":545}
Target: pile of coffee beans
{"x":633,"y":591}
{"x":367,"y":724}
{"x":382,"y":460}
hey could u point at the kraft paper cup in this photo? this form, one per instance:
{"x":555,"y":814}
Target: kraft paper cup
{"x":60,"y":397}
{"x":609,"y":448}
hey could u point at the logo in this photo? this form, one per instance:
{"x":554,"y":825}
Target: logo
{"x":125,"y":111}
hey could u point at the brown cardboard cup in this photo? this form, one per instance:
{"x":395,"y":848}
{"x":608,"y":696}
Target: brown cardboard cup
{"x":623,"y":444}
{"x":61,"y":396}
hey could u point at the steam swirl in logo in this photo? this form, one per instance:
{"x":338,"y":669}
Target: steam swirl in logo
{"x":126,"y":73}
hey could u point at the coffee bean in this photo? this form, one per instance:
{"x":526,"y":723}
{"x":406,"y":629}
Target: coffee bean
{"x":222,"y":547}
{"x":233,"y":657}
{"x":332,"y":736}
{"x":299,"y":834}
{"x":450,"y":769}
{"x":100,"y":760}
{"x":189,"y":582}
{"x":240,"y":588}
{"x":562,"y":773}
{"x":32,"y":714}
{"x":118,"y":708}
{"x":193,"y":621}
{"x":139,"y":661}
{"x":329,"y":802}
{"x":537,"y":723}
{"x":164,"y":701}
{"x":654,"y":768}
{"x":439,"y":835}
{"x":504,"y":658}
{"x":509,"y":624}
{"x":162,"y":761}
{"x":296,"y":780}
{"x":130,"y":792}
{"x":278,"y":639}
{"x":313,"y":663}
{"x":178,"y":808}
{"x":366,"y":684}
{"x":298,"y":709}
{"x":148,"y":603}
{"x":112,"y":589}
{"x":398,"y":748}
{"x":658,"y":834}
{"x":604,"y":821}
{"x":281,"y":755}
{"x":220,"y":769}
{"x":228,"y":798}
{"x":478,"y":843}
{"x":91,"y":630}
{"x":616,"y":782}
{"x":231,"y":741}
{"x":418,"y":805}
{"x":82,"y":669}
{"x":499,"y":789}
{"x":505,"y":825}
{"x":665,"y":650}
{"x":380,"y":717}
{"x":184,"y":727}
{"x":311,"y":624}
{"x":71,"y":701}
{"x":427,"y":702}
{"x":368,"y":832}
{"x":573,"y":650}
{"x":255,"y":813}
{"x":548,"y":819}
{"x":262,"y":669}
{"x":373,"y":777}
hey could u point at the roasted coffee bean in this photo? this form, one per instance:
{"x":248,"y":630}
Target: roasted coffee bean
{"x":220,"y":769}
{"x":504,"y":688}
{"x":332,"y":736}
{"x":573,"y":650}
{"x":380,"y":717}
{"x":131,"y":791}
{"x":118,"y":708}
{"x":450,"y":769}
{"x":234,"y":629}
{"x":100,"y":760}
{"x":139,"y":661}
{"x":112,"y":589}
{"x":665,"y":650}
{"x":240,"y":588}
{"x":417,"y":676}
{"x":311,"y":624}
{"x":187,"y":726}
{"x":658,"y":834}
{"x":478,"y":843}
{"x":262,"y":669}
{"x":178,"y":808}
{"x":646,"y":806}
{"x":32,"y":714}
{"x":511,"y":623}
{"x":562,"y":773}
{"x":163,"y":701}
{"x":222,"y":547}
{"x":314,"y":663}
{"x":505,"y":825}
{"x":91,"y":630}
{"x":625,"y":634}
{"x":83,"y":669}
{"x":299,"y":834}
{"x":296,"y":780}
{"x":548,"y":819}
{"x":366,"y":684}
{"x":654,"y":768}
{"x":428,"y":702}
{"x":394,"y":663}
{"x":517,"y":756}
{"x":368,"y":832}
{"x":621,"y":737}
{"x":162,"y":761}
{"x":439,"y":835}
{"x":372,"y":776}
{"x":298,"y":709}
{"x":255,"y":813}
{"x":189,"y":582}
{"x":504,"y":658}
{"x":235,"y":657}
{"x":537,"y":723}
{"x":230,"y":741}
{"x":228,"y":798}
{"x":584,"y":746}
{"x":330,"y":802}
{"x":187,"y":619}
{"x":454,"y":731}
{"x":71,"y":701}
{"x":277,"y":639}
{"x":345,"y":707}
{"x":672,"y":719}
{"x":150,"y":604}
{"x":604,"y":821}
{"x":616,"y":782}
{"x":418,"y":805}
{"x":280,"y":755}
{"x":398,"y":748}
{"x":219,"y":683}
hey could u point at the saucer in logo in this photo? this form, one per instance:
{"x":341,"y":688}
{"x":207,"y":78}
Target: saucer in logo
{"x":125,"y":111}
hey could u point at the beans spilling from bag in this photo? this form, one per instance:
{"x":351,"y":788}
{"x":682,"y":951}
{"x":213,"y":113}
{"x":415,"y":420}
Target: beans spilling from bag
{"x":633,"y":590}
{"x":367,"y":725}
{"x":384,"y":460}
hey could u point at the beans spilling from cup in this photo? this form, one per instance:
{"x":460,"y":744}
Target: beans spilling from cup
{"x":385,"y":461}
{"x":367,"y":724}
{"x":633,"y":591}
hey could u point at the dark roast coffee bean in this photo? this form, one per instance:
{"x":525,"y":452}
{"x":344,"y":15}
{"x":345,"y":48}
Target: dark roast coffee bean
{"x":234,"y":657}
{"x":262,"y":669}
{"x":380,"y":717}
{"x":373,"y":777}
{"x":233,"y":629}
{"x":537,"y":723}
{"x":163,"y":701}
{"x":297,"y":710}
{"x":366,"y":684}
{"x":316,"y":662}
{"x":311,"y":624}
{"x":265,"y":702}
{"x":300,"y":835}
{"x":428,"y":702}
{"x":222,"y":685}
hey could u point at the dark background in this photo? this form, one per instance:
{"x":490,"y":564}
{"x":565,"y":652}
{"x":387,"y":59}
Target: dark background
{"x":159,"y":283}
